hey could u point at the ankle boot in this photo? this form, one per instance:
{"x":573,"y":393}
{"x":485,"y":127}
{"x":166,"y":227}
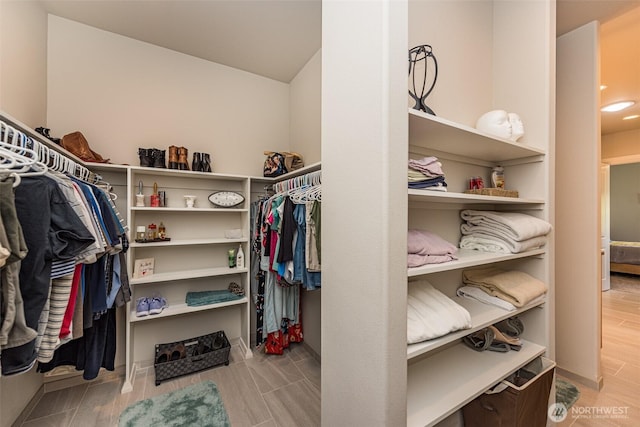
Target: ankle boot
{"x":196,"y":164}
{"x":183,"y":159}
{"x":145,"y":157}
{"x":206,"y":162}
{"x":158,"y":158}
{"x":173,"y":157}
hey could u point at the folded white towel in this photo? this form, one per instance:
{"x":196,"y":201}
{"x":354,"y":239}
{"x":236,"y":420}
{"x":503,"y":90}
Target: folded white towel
{"x":478,"y":294}
{"x":515,"y":226}
{"x":431,"y":314}
{"x":489,"y":243}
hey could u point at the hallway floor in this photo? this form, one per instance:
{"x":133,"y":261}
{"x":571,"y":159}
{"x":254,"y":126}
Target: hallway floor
{"x":265,"y":391}
{"x":620,"y":362}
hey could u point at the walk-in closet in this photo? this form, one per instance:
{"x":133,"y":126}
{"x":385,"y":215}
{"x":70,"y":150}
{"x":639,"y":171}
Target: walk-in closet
{"x":346,"y":111}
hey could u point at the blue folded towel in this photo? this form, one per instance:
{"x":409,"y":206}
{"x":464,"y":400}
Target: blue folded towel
{"x":195,"y":299}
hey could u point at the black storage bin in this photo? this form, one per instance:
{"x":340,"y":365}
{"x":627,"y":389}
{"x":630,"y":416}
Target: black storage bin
{"x":188,"y":356}
{"x":523,"y":403}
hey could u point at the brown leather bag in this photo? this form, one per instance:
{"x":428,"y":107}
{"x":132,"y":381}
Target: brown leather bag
{"x":78,"y":145}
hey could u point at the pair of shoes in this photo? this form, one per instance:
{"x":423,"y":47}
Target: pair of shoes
{"x":201,"y":162}
{"x":146,"y":306}
{"x":178,"y":158}
{"x":152,"y":158}
{"x":176,"y":352}
{"x":512,"y":326}
{"x":485,"y":339}
{"x":219,"y":341}
{"x":45,"y":132}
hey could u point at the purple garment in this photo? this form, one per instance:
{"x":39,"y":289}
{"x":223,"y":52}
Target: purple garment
{"x":428,"y":165}
{"x":416,"y":260}
{"x":423,"y":242}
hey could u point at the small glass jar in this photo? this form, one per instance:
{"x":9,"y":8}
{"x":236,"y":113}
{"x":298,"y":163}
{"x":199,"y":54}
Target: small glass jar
{"x":141,"y":232}
{"x":152,"y":232}
{"x":162,"y":232}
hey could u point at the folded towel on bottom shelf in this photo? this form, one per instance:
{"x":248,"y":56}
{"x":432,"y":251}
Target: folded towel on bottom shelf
{"x":516,"y":287}
{"x":432,"y":314}
{"x":195,"y":299}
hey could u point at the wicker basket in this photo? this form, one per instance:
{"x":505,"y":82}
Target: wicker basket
{"x":493,"y":192}
{"x":192,"y":355}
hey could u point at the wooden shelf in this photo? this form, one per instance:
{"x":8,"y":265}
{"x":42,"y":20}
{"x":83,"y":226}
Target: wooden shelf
{"x":436,"y":133}
{"x":189,"y":274}
{"x":470,"y":258}
{"x":179,"y":309}
{"x":430,"y":196}
{"x":482,"y":315}
{"x":444,"y":382}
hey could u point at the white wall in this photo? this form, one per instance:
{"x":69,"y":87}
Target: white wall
{"x":578,"y":259}
{"x":625,"y":202}
{"x":304,"y":103}
{"x":123,"y":94}
{"x":23,"y":62}
{"x":364,"y":121}
{"x":23,"y":68}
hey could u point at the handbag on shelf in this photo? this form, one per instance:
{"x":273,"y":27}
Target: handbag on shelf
{"x":279,"y":163}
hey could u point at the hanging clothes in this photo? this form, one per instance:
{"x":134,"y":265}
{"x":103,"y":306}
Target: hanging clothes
{"x":51,"y":229}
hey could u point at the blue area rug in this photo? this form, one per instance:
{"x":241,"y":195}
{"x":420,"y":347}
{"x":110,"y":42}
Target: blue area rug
{"x":195,"y":405}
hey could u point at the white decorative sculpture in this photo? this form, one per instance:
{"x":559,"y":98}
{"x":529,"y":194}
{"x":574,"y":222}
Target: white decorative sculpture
{"x":501,"y":124}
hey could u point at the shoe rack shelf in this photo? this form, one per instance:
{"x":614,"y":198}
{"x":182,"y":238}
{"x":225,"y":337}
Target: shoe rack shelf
{"x":195,"y":259}
{"x":179,"y":309}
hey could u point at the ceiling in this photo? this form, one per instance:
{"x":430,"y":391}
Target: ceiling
{"x":278,"y":37}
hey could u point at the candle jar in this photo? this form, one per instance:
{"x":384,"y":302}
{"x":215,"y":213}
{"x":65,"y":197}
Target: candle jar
{"x":141,"y":232}
{"x":152,"y":232}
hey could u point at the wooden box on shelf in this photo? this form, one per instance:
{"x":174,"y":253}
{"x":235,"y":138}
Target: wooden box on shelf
{"x":490,"y":191}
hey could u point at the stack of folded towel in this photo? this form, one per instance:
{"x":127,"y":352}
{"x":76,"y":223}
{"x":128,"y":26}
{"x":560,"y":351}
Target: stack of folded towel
{"x":431,"y":314}
{"x":507,"y":232}
{"x":424,"y":247}
{"x":426,"y":174}
{"x":502,"y":288}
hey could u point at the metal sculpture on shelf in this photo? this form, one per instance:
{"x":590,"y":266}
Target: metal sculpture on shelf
{"x":420,"y":55}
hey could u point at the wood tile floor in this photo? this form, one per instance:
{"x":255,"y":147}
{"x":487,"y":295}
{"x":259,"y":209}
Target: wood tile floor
{"x":265,"y":391}
{"x":620,"y":361}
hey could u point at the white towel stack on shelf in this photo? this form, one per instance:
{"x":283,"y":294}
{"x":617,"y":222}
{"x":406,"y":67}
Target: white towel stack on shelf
{"x":432,"y":314}
{"x":507,"y":232}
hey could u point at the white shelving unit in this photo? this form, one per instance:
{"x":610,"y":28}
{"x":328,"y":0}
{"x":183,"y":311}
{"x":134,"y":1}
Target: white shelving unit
{"x":195,"y":259}
{"x":443,"y":374}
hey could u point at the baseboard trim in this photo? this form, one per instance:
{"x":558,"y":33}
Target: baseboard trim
{"x":593,"y":384}
{"x":66,"y":380}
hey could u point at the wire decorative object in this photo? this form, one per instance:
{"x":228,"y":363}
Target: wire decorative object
{"x":422,"y":55}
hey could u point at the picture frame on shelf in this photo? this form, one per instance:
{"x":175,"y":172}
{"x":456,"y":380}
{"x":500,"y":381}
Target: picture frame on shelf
{"x":143,"y":267}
